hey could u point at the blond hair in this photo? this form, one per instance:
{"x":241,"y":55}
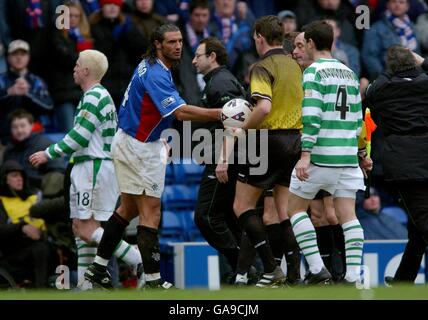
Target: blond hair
{"x":84,"y":27}
{"x":95,"y":61}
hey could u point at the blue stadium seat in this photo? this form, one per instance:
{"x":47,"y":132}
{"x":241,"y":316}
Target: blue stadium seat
{"x":172,"y":230}
{"x":55,"y":137}
{"x":179,"y":197}
{"x":48,"y":123}
{"x":172,"y":227}
{"x":169,"y":175}
{"x":397,"y":213}
{"x":192,"y":231}
{"x":188,"y":172}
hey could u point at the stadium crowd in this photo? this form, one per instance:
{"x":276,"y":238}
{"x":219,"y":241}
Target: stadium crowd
{"x":38,"y":95}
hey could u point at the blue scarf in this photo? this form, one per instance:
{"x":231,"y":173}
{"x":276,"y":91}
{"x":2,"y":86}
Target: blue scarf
{"x":404,"y":30}
{"x":34,"y":18}
{"x":90,"y":6}
{"x":121,"y":28}
{"x":75,"y":34}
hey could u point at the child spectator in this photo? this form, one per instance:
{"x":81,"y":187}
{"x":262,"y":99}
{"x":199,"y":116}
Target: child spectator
{"x":24,"y":142}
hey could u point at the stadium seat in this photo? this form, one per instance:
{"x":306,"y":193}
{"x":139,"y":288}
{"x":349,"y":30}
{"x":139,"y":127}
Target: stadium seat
{"x":172,"y":230}
{"x":169,"y":175}
{"x":48,"y":123}
{"x":192,"y":231}
{"x":188,"y":172}
{"x":172,"y":227}
{"x":55,"y":137}
{"x":397,"y":213}
{"x":179,"y":197}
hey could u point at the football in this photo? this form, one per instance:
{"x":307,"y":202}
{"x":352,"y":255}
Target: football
{"x":235,"y":112}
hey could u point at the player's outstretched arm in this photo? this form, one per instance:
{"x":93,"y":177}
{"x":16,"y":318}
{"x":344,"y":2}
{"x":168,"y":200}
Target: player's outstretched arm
{"x":189,"y":112}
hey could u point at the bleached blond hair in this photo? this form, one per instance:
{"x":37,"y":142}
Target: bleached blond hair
{"x":95,"y":61}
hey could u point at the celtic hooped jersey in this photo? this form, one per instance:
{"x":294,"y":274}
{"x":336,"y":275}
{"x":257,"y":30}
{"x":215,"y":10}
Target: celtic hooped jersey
{"x":331,"y":114}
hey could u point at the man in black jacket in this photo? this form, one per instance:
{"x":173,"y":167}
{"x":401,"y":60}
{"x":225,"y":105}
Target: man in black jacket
{"x":398,"y":103}
{"x":21,"y":89}
{"x":214,"y":211}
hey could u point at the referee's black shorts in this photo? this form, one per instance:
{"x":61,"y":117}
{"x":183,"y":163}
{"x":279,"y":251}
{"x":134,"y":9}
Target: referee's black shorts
{"x":283,"y":154}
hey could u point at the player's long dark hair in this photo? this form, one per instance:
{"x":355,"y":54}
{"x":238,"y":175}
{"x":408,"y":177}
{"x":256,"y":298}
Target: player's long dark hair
{"x":158,"y":34}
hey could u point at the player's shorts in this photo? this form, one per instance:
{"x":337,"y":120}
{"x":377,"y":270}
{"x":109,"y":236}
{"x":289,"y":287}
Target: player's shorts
{"x":339,"y":182}
{"x":283,"y":154}
{"x":140,"y":166}
{"x":321,"y":195}
{"x":93,"y":191}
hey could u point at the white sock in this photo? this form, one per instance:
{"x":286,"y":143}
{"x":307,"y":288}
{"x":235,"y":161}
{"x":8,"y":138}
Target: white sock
{"x":354,"y":241}
{"x":306,"y":237}
{"x":124,"y":251}
{"x":85,"y":256}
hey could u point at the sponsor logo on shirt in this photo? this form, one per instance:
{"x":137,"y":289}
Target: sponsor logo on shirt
{"x":167,"y":102}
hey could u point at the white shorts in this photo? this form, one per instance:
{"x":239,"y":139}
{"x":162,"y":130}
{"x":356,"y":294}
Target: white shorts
{"x":339,"y":182}
{"x":93,"y":191}
{"x":140,"y":166}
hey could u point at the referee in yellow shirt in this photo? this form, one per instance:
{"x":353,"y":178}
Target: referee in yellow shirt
{"x":276,"y":90}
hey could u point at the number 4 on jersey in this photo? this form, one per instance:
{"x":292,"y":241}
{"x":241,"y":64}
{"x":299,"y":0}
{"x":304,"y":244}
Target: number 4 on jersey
{"x":341,"y":102}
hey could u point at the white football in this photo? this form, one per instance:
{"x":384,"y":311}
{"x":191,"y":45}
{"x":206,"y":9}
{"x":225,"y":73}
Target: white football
{"x":235,"y":112}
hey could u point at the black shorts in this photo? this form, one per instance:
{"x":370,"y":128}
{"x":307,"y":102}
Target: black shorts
{"x":283,"y":154}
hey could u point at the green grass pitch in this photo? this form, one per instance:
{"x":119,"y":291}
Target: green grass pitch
{"x":418,"y":292}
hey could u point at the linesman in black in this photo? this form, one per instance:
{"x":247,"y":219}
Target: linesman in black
{"x":214,"y":214}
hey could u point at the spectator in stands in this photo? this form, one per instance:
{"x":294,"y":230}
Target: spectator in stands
{"x":66,"y":45}
{"x":24,"y":250}
{"x":4,"y":37}
{"x":54,"y":210}
{"x":89,"y":6}
{"x":422,"y":32}
{"x":173,"y":10}
{"x":263,"y":8}
{"x":3,"y":65}
{"x":21,"y":89}
{"x":24,"y":143}
{"x":145,"y":18}
{"x":344,"y":52}
{"x":416,"y":8}
{"x":33,"y":21}
{"x":394,"y":28}
{"x":289,"y":21}
{"x":398,"y":103}
{"x":232,"y":27}
{"x":118,"y":38}
{"x":342,"y":10}
{"x":377,"y":225}
{"x":190,"y":84}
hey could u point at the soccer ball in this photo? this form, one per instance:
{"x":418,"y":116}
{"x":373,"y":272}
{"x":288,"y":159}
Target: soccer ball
{"x":235,"y":112}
